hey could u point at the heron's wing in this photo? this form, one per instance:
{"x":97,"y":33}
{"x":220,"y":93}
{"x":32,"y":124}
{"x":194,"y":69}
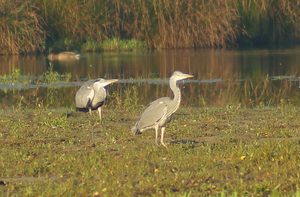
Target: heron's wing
{"x":99,"y":97}
{"x":85,"y":95}
{"x":154,"y":112}
{"x":162,"y":99}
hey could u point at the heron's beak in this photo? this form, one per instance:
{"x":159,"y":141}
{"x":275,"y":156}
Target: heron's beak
{"x":109,"y":81}
{"x":185,"y":76}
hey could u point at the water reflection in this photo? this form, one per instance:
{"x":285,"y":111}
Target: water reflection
{"x":204,"y":64}
{"x":249,"y":77}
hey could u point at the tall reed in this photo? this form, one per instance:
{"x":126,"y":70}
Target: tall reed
{"x":179,"y":24}
{"x":268,"y":22}
{"x":21,"y":28}
{"x":28,"y":26}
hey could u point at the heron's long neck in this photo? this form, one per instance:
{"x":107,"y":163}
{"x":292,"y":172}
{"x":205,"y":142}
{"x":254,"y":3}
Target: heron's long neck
{"x":177,"y":94}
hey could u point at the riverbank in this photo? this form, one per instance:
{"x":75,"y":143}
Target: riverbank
{"x":212,"y":151}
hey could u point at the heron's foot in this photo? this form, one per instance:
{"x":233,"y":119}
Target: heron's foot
{"x":164,"y":145}
{"x":101,"y":125}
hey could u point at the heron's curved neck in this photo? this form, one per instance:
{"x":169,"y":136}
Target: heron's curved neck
{"x":176,"y":92}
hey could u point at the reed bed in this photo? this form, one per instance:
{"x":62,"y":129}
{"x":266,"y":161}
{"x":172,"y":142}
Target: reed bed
{"x":21,"y":28}
{"x":269,"y":22}
{"x":29,"y":26}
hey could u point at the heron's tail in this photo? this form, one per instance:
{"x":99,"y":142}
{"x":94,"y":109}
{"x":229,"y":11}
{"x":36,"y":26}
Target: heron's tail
{"x":134,"y":130}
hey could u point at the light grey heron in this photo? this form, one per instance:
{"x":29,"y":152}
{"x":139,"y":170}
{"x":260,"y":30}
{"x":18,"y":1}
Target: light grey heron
{"x":159,"y":112}
{"x":64,"y":56}
{"x":92,"y":95}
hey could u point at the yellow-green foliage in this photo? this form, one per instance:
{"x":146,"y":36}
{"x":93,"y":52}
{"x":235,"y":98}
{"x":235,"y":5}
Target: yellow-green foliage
{"x":114,"y":44}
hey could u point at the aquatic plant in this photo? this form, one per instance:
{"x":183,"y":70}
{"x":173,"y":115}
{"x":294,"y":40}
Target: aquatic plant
{"x":91,"y":46}
{"x":114,"y":44}
{"x":15,"y":78}
{"x":51,"y":76}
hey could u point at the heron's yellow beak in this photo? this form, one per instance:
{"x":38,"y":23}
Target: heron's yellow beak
{"x":189,"y":76}
{"x":105,"y":82}
{"x":109,"y":81}
{"x":112,"y":80}
{"x":185,"y":76}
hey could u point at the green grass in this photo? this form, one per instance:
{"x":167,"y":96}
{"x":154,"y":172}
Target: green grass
{"x":212,"y":151}
{"x":114,"y":44}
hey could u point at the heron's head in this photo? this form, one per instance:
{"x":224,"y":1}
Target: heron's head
{"x":101,"y":83}
{"x":177,"y":75}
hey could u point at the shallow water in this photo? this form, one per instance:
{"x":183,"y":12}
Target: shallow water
{"x":220,"y":76}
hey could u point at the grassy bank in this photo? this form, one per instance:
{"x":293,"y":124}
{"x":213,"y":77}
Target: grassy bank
{"x":29,"y":26}
{"x":225,"y":151}
{"x":212,"y":151}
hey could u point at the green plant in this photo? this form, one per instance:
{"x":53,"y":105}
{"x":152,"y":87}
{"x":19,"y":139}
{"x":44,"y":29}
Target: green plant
{"x":116,"y":44}
{"x":127,"y":101}
{"x":53,"y":77}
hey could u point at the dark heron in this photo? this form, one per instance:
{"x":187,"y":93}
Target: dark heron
{"x":159,"y":112}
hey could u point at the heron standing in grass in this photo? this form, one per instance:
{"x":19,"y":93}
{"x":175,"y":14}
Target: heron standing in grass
{"x":159,"y":112}
{"x":92,"y":96}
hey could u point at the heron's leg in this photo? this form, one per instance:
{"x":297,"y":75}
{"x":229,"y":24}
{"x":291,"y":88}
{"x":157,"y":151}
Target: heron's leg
{"x":100,"y":115}
{"x":92,"y":125}
{"x":156,"y":134}
{"x":162,"y":137}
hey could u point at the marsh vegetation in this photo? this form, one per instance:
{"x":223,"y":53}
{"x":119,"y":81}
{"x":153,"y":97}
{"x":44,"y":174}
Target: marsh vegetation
{"x":57,"y":25}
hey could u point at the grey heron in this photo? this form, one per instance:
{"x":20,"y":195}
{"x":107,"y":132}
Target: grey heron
{"x":159,"y":112}
{"x":64,"y":56}
{"x":92,"y":95}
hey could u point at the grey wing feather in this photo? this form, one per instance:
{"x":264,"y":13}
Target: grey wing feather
{"x":162,"y":99}
{"x":152,"y":114}
{"x":83,"y":95}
